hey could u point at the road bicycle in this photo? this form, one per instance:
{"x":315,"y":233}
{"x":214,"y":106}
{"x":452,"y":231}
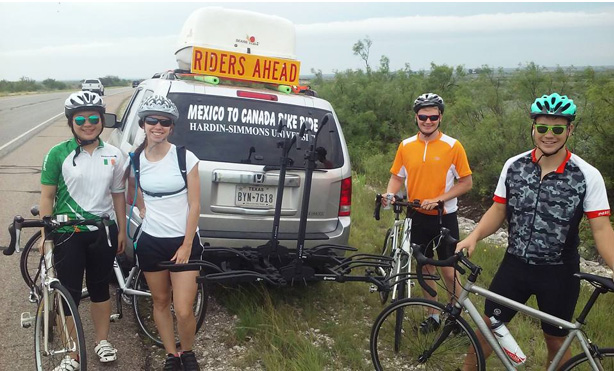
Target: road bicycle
{"x":132,"y":290}
{"x":58,"y":331}
{"x":397,"y":245}
{"x":447,"y":346}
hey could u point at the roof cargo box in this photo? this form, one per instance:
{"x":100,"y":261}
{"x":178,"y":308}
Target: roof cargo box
{"x":236,"y":31}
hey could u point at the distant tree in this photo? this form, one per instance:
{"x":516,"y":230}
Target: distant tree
{"x":362,"y":48}
{"x":52,"y":84}
{"x":384,"y":64}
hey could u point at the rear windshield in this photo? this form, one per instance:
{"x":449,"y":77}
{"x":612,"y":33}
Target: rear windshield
{"x":92,"y":81}
{"x":238,"y":130}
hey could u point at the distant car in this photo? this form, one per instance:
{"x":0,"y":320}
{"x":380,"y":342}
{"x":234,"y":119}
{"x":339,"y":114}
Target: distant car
{"x":94,"y":85}
{"x":136,"y":83}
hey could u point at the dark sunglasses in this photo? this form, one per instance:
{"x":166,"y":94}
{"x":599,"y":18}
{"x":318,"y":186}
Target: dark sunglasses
{"x":433,"y":118}
{"x":153,"y":121}
{"x":80,"y":120}
{"x":556,"y":129}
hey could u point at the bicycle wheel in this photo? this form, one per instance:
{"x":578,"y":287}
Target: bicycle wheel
{"x":143,"y":309}
{"x":387,"y":250}
{"x":65,"y":333}
{"x":580,"y":361}
{"x":415,"y":343}
{"x":30,"y":260}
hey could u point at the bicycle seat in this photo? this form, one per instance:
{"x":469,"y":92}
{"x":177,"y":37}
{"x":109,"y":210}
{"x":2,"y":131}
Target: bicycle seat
{"x":605,"y":283}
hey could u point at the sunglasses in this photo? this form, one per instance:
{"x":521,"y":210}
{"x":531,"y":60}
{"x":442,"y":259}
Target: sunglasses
{"x":153,"y":121}
{"x":556,"y":129}
{"x":433,"y":118}
{"x":80,"y":120}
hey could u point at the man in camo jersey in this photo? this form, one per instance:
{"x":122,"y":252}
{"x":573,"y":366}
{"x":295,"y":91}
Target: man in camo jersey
{"x":543,"y":194}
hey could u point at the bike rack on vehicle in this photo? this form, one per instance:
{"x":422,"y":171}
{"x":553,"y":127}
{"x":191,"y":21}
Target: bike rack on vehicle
{"x":282,"y":266}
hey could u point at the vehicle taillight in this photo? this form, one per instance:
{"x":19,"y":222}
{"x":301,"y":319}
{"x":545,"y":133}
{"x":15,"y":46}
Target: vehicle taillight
{"x":345,"y":201}
{"x":251,"y":94}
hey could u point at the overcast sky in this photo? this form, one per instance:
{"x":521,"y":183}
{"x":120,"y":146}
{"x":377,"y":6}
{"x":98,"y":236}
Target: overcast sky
{"x":72,"y":41}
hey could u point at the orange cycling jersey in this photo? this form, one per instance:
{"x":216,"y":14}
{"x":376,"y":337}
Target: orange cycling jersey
{"x":429,"y":168}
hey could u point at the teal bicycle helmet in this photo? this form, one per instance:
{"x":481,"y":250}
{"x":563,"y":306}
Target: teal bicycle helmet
{"x":554,"y":105}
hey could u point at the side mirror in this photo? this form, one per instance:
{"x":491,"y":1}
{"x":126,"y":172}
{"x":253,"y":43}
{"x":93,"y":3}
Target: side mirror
{"x":110,"y":121}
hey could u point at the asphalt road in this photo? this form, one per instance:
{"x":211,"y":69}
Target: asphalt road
{"x":24,"y":116}
{"x":19,"y":190}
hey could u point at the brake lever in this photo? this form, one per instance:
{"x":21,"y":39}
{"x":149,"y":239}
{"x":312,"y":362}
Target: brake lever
{"x":105,"y":221}
{"x":11,"y":248}
{"x":378,"y":205}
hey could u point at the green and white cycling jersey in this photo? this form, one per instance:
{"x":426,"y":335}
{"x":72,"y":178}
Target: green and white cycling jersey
{"x":84,"y":182}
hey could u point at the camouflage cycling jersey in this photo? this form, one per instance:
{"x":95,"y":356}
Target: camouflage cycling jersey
{"x":544,"y":214}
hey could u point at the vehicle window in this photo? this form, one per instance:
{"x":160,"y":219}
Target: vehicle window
{"x":92,"y":81}
{"x":130,"y":121}
{"x":237,"y":130}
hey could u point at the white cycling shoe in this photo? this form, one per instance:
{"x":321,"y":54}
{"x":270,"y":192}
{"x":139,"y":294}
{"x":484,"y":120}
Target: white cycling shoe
{"x":68,"y":364}
{"x":105,"y":351}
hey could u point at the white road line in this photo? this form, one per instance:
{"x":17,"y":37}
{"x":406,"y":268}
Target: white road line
{"x":29,"y":131}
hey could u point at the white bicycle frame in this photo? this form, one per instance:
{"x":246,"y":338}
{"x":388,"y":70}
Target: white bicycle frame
{"x":575,"y":330}
{"x":126,"y":284}
{"x":400,"y":250}
{"x":47,"y":277}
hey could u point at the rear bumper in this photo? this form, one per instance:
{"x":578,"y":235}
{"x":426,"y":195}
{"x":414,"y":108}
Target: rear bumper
{"x":339,"y":236}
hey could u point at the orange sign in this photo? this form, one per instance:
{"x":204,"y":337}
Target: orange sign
{"x":242,"y":66}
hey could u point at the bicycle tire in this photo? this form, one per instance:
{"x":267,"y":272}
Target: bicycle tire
{"x":450,"y":355}
{"x":143,"y":310}
{"x":58,"y":344}
{"x":30,"y":260}
{"x":579,"y":362}
{"x":387,"y":250}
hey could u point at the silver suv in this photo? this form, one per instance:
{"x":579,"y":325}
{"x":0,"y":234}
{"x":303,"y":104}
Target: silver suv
{"x":233,"y":132}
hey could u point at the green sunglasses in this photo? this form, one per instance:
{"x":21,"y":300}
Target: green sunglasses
{"x":556,"y":129}
{"x":80,"y":120}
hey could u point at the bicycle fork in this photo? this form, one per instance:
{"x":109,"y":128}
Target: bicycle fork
{"x":453,"y":313}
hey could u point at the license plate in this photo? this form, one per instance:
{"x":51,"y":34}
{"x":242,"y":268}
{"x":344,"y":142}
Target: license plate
{"x":258,"y":196}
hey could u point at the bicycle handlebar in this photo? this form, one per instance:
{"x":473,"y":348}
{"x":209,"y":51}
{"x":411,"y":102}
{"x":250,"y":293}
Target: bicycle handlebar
{"x":452,"y":261}
{"x":50,"y":225}
{"x":399,"y":203}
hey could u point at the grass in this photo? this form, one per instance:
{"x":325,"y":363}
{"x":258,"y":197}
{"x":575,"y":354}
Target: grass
{"x":326,"y":326}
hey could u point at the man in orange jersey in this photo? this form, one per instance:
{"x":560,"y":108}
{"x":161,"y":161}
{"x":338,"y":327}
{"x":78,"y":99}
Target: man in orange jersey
{"x":428,"y":163}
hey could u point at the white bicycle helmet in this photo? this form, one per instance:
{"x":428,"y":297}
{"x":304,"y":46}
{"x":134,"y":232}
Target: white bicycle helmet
{"x":429,"y":100}
{"x":82,"y":101}
{"x":158,"y":105}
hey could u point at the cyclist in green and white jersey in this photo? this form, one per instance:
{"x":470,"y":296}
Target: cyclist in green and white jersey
{"x":82,"y":178}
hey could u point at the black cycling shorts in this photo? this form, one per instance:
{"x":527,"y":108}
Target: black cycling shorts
{"x":425,"y":231}
{"x":79,"y":252}
{"x":151,"y":250}
{"x":554,"y":286}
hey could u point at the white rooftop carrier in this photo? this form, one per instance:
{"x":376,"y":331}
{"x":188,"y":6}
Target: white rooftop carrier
{"x":236,"y":31}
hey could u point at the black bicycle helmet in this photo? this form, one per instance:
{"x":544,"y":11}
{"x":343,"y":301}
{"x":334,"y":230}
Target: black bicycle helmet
{"x":83,"y":101}
{"x":429,"y":100}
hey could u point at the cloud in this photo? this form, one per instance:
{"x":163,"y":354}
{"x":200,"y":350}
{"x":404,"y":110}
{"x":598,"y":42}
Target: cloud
{"x":459,"y":24}
{"x":119,"y":47}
